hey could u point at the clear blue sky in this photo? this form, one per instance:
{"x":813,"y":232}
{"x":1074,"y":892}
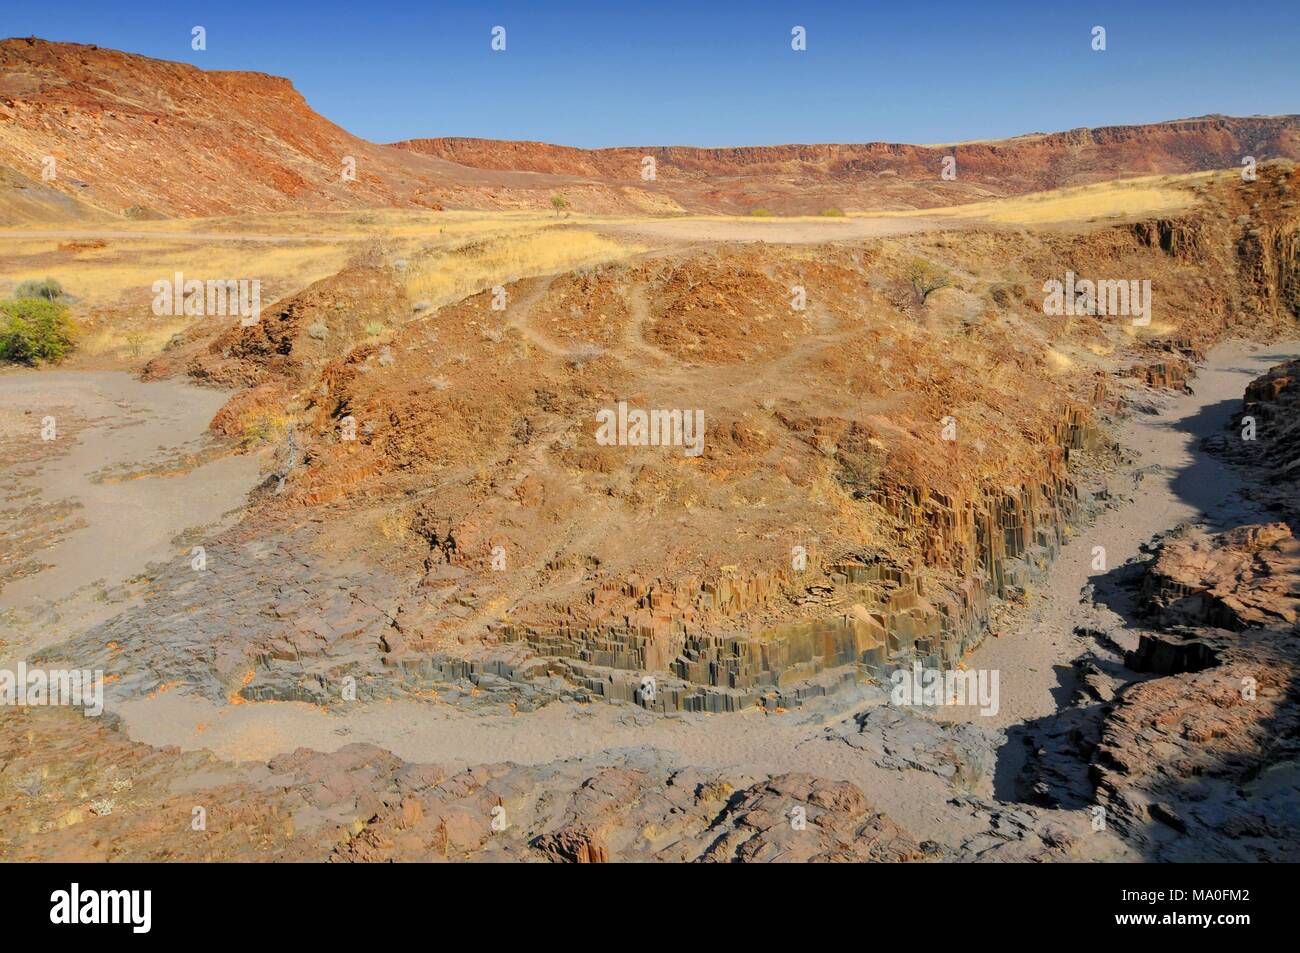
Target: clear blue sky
{"x":720,"y":73}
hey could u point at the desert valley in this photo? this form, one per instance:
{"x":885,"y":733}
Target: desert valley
{"x":455,"y":499}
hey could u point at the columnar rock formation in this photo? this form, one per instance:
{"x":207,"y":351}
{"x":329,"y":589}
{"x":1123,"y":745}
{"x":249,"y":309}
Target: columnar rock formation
{"x":995,"y":545}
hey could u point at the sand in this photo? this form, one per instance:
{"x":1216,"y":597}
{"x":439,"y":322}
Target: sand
{"x":111,"y":423}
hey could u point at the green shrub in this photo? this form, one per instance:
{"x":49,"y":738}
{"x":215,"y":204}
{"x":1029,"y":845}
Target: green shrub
{"x":832,"y":212}
{"x":33,"y":330}
{"x":761,"y":212}
{"x":49,"y":289}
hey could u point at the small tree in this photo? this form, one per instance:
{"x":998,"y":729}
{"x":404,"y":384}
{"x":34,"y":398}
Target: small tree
{"x":559,"y":203}
{"x":926,"y":279}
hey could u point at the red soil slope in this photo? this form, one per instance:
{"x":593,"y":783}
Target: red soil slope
{"x":148,"y":138}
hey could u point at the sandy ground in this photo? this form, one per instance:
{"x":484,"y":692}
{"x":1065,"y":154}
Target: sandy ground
{"x":123,"y":518}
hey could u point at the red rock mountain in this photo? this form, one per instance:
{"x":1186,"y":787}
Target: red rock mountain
{"x":1027,"y":163}
{"x":168,"y":139}
{"x":143,"y":137}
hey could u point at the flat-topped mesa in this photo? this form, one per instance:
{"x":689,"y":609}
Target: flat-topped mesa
{"x":253,"y":144}
{"x":1019,"y":164}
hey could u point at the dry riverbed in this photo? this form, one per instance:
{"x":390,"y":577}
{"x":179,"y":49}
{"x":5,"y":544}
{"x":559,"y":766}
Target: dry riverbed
{"x":117,"y":425}
{"x":123,"y":475}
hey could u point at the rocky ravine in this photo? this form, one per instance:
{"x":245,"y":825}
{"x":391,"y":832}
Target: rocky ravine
{"x":1186,"y":739}
{"x":368,"y":560}
{"x":1184,"y":720}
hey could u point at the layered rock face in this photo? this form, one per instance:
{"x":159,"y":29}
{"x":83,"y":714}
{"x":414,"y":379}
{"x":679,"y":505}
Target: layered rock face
{"x":880,"y":174}
{"x":1203,"y":761}
{"x":1241,"y":579}
{"x":1031,"y":163}
{"x":128,"y":133}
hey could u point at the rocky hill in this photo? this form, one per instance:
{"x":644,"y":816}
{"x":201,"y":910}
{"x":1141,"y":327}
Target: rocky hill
{"x":472,"y":431}
{"x":883,"y":174}
{"x":149,"y":138}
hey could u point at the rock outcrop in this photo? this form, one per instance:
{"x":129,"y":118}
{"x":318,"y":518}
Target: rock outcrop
{"x":871,"y":489}
{"x":1241,"y":579}
{"x":1190,"y":740}
{"x":75,"y":789}
{"x":1265,"y":437}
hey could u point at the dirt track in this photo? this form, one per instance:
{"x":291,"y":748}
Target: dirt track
{"x":673,"y":231}
{"x":657,"y":232}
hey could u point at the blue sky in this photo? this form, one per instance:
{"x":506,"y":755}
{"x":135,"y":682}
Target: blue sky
{"x":720,"y":73}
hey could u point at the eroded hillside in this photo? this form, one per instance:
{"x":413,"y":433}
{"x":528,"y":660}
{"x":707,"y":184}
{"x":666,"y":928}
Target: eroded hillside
{"x":807,"y":179}
{"x":135,"y":137}
{"x":879,"y":477}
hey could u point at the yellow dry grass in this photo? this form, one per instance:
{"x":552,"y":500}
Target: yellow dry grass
{"x":122,"y":272}
{"x":446,"y":275}
{"x":1057,"y":362}
{"x":451,"y":254}
{"x":1123,"y":197}
{"x":130,"y":343}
